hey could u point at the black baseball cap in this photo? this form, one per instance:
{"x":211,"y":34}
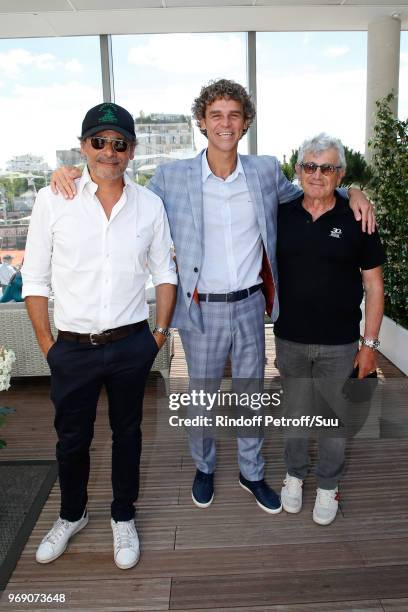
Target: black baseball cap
{"x":108,"y":116}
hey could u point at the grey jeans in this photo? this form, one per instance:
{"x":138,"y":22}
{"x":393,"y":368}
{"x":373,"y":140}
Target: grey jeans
{"x":313,"y":376}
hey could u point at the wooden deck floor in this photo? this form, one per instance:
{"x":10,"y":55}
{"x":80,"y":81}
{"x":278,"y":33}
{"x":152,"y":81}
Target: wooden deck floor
{"x":231,"y":557}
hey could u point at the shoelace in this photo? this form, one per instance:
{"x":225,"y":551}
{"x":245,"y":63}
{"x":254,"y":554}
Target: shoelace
{"x":124,"y":535}
{"x":292,"y":483}
{"x":57,"y":532}
{"x":326,"y":497}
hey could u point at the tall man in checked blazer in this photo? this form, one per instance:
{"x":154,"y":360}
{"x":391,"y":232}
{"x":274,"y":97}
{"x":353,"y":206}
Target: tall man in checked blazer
{"x":222,"y":210}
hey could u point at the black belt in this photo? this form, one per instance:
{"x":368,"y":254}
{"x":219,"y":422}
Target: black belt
{"x":109,"y":335}
{"x":233,"y":296}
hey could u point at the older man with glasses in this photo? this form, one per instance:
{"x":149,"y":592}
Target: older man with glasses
{"x":98,"y":251}
{"x":325,"y":261}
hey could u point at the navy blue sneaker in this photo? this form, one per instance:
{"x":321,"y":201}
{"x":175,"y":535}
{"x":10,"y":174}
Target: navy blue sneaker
{"x":266,"y":498}
{"x":203,"y":489}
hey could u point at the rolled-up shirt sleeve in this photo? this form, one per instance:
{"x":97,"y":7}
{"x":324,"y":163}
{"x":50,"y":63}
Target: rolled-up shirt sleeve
{"x":36,"y":270}
{"x":160,"y":260}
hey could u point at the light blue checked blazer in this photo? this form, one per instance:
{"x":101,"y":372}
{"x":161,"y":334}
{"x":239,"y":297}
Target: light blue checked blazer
{"x":179,"y":185}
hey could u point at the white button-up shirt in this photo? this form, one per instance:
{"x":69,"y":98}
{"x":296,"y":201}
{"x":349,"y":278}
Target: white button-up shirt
{"x":97,"y":266}
{"x":6,"y":272}
{"x":232,"y":240}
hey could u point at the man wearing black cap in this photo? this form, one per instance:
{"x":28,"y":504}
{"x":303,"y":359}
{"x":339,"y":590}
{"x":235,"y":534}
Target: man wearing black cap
{"x":97,"y":252}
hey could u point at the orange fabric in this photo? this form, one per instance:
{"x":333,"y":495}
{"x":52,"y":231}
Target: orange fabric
{"x":195,"y":296}
{"x":268,"y":284}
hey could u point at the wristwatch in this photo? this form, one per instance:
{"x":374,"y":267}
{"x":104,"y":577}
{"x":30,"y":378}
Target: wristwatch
{"x":372,"y":343}
{"x":163,"y":330}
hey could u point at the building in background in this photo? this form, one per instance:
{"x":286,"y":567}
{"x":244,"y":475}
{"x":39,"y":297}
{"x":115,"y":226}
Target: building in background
{"x":69,"y":157}
{"x":27,"y":163}
{"x":161,"y":137}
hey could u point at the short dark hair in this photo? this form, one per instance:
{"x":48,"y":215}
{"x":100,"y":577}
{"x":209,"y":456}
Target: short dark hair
{"x":223,"y":88}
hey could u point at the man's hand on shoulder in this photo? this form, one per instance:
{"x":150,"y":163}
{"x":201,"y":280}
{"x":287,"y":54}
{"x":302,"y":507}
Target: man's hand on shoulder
{"x":363,"y":209}
{"x":63,"y":181}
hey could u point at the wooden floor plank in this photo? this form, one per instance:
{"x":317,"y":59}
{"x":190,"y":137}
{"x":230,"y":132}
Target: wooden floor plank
{"x":289,"y":588}
{"x":287,"y":529}
{"x":395,"y":605}
{"x":334,"y":606}
{"x":172,"y":563}
{"x":125,"y":595}
{"x":374,"y":553}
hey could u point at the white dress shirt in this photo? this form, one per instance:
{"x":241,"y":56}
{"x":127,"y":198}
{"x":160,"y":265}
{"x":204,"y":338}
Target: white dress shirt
{"x":97,"y":266}
{"x":6,"y":272}
{"x":232,"y":241}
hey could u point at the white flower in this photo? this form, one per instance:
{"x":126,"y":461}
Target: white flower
{"x":7,"y":358}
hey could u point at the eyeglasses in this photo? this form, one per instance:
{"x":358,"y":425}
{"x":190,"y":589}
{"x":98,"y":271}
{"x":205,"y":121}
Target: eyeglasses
{"x":118,"y":145}
{"x":325,"y":169}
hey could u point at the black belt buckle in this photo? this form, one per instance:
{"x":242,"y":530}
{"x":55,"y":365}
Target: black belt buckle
{"x":92,"y":339}
{"x":230,"y":297}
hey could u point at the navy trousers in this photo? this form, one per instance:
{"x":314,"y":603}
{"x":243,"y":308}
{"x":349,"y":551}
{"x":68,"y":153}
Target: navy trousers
{"x":78,"y":372}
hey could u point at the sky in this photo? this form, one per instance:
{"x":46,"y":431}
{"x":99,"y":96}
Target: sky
{"x":307,"y":83}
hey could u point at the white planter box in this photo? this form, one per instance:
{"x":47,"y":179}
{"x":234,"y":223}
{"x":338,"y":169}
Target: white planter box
{"x":394,"y":342}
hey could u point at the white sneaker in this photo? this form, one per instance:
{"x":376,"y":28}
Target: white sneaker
{"x":55,"y":542}
{"x":126,"y":550}
{"x":326,"y":505}
{"x":291,"y":494}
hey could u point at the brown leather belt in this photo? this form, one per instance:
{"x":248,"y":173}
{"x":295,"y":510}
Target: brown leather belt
{"x":109,"y":335}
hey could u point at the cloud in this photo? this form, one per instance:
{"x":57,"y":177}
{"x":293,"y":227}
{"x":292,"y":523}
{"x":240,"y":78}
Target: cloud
{"x":296,"y":106}
{"x":74,"y":66}
{"x":403,"y":93}
{"x":404,"y":58}
{"x":307,"y":38}
{"x":14,"y":61}
{"x":336,"y":51}
{"x":46,"y":116}
{"x":183,"y":53}
{"x":310,"y":68}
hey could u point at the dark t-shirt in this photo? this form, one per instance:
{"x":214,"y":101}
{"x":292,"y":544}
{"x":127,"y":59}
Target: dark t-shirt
{"x":320,"y":263}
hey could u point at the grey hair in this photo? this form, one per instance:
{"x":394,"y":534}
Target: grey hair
{"x":321,"y":143}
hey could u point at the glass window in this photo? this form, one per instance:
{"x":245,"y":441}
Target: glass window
{"x":46,"y":86}
{"x":310,"y":82}
{"x":403,"y":78}
{"x":157,"y":78}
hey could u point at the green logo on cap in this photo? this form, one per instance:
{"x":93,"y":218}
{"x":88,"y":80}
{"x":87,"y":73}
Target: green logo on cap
{"x":108,"y":114}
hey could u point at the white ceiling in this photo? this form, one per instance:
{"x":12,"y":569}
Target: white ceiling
{"x":30,"y":18}
{"x":36,"y":6}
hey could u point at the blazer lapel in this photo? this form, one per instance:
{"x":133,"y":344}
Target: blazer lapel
{"x":254,"y":188}
{"x":195,"y":194}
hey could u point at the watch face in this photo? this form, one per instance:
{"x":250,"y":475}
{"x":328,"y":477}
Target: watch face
{"x":371,"y":343}
{"x":163,"y":330}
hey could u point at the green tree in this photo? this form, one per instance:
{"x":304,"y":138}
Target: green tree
{"x":287,"y":169}
{"x":390,"y":194}
{"x":357,"y":172}
{"x":142,"y":179}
